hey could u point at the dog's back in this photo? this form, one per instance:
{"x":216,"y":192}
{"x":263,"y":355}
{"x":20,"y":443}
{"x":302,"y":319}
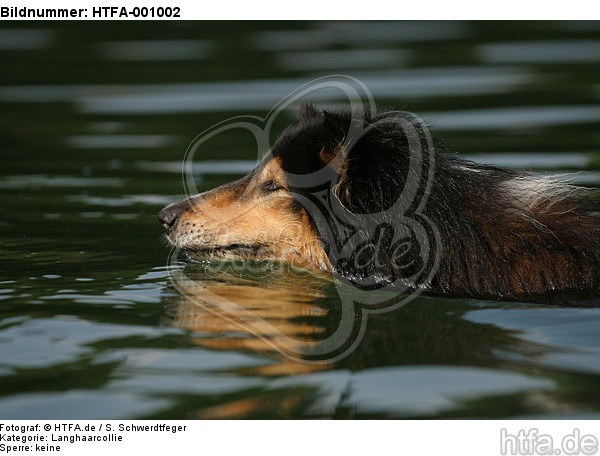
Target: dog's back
{"x":514,"y":235}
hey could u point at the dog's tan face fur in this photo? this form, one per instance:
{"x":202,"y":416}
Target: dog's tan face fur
{"x":252,"y":218}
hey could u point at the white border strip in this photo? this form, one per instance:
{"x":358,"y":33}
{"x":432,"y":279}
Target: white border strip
{"x":318,"y":10}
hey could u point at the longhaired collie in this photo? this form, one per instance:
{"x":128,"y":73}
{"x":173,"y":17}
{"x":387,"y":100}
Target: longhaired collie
{"x":363,"y":195}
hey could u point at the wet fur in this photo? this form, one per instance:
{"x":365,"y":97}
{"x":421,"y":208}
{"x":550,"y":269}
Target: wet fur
{"x":503,"y":234}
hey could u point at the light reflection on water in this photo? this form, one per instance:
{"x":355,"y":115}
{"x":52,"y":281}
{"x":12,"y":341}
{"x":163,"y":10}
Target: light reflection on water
{"x":161,"y":50}
{"x":41,"y":180}
{"x":514,"y":117}
{"x":263,"y":94}
{"x":120,"y":141}
{"x":541,"y":52}
{"x":91,"y":328}
{"x":327,"y":34}
{"x":25,"y":39}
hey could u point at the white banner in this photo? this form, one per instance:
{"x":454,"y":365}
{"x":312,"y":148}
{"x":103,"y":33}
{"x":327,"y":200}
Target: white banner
{"x":305,"y":10}
{"x":265,"y":438}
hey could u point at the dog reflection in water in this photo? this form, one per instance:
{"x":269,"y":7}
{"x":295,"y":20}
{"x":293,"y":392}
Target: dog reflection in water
{"x":275,"y":315}
{"x":268,"y":316}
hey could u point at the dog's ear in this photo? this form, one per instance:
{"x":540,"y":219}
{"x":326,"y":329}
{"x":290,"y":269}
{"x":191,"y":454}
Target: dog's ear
{"x":307,"y":111}
{"x":375,"y":163}
{"x":335,"y":128}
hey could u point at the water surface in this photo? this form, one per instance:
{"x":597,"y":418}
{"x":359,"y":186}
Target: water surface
{"x":95,"y":121}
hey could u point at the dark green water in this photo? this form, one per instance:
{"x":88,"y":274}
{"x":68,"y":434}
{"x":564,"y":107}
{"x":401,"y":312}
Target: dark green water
{"x":95,"y":119}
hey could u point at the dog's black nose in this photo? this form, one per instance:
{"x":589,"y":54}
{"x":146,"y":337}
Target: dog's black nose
{"x":168,"y":215}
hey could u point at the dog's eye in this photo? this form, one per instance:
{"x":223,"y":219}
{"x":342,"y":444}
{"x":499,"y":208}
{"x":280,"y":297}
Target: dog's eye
{"x":271,"y":186}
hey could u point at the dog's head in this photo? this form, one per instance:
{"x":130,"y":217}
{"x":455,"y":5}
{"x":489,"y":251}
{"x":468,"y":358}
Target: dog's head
{"x":284,"y":210}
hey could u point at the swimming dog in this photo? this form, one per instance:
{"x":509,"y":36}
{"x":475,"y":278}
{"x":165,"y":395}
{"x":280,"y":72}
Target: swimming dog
{"x":331,"y":196}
